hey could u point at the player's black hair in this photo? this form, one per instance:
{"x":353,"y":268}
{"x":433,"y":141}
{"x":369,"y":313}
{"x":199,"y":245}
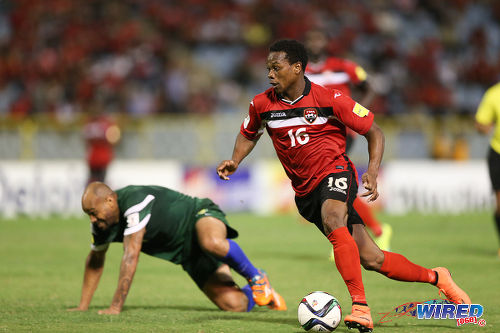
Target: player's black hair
{"x":295,"y":51}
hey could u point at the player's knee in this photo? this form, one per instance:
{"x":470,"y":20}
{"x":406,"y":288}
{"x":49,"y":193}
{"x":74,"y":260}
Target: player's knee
{"x":373,"y":262}
{"x":333,"y":220}
{"x":233,"y":303}
{"x":213,"y":245}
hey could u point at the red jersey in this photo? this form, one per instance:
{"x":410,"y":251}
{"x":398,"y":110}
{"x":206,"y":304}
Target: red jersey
{"x":336,"y":73}
{"x":309,"y":133}
{"x":100,"y":149}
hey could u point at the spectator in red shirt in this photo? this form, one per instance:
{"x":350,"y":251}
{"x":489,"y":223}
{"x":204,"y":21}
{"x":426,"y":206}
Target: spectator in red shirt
{"x":101,"y":134}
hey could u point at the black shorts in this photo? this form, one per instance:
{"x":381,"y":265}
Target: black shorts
{"x":342,"y":186}
{"x":494,"y":168}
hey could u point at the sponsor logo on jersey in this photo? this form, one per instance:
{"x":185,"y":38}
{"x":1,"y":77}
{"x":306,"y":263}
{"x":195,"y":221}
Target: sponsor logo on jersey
{"x":337,"y":94}
{"x":202,"y":212}
{"x":310,"y":115}
{"x":360,"y":110}
{"x":278,"y":114}
{"x":336,"y":189}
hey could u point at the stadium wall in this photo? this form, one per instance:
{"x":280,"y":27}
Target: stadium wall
{"x":41,"y":188}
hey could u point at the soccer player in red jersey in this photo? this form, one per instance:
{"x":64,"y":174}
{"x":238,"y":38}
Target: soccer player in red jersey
{"x":307,"y":125}
{"x":101,"y":134}
{"x":341,"y":74}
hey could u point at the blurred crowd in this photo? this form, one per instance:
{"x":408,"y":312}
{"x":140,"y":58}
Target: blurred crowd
{"x":145,"y":57}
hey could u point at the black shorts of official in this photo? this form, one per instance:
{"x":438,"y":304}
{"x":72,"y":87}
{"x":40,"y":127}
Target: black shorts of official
{"x":494,"y":168}
{"x":331,"y":187}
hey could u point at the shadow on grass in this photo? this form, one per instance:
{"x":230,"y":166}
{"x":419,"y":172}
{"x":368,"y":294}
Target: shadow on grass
{"x":209,"y":314}
{"x":171,"y":307}
{"x":397,"y":327}
{"x":296,"y":256}
{"x":479,"y":251}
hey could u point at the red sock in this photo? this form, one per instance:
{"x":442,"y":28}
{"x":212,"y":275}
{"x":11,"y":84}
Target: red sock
{"x":397,"y":267}
{"x":366,"y":214}
{"x":346,"y":255}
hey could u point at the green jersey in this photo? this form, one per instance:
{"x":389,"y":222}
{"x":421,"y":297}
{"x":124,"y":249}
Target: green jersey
{"x":168,"y":217}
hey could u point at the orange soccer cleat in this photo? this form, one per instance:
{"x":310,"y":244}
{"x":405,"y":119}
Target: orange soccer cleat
{"x":277,"y":303}
{"x":449,"y":288}
{"x":360,"y":318}
{"x":261,"y":289}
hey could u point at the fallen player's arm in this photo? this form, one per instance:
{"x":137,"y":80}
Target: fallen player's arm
{"x":131,"y":248}
{"x":93,"y":270}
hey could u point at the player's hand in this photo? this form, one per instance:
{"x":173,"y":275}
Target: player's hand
{"x":370,"y":184}
{"x":80,"y":308}
{"x":109,"y":311}
{"x":226,"y":168}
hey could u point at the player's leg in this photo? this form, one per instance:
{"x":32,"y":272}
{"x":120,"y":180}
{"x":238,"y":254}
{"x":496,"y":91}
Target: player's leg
{"x":216,"y":281}
{"x":397,"y":267}
{"x":366,"y":214}
{"x":494,"y":172}
{"x":221,"y":289}
{"x":337,"y":191}
{"x":382,"y":233}
{"x":212,"y":237}
{"x":497,"y":216}
{"x":493,"y":160}
{"x":334,"y":215}
{"x":96,"y":174}
{"x":347,"y":260}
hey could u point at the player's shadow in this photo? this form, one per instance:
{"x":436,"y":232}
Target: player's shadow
{"x":216,"y":314}
{"x":395,"y":327}
{"x":171,"y":307}
{"x":295,"y":256}
{"x":479,"y":251}
{"x":251,"y":318}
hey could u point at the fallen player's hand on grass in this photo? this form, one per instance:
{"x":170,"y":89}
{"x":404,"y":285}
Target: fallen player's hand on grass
{"x":109,"y":311}
{"x":77,"y":309}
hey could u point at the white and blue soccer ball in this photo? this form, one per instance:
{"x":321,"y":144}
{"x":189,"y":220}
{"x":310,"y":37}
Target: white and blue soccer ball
{"x":319,"y":311}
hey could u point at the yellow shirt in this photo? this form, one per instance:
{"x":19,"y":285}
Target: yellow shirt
{"x":488,"y":113}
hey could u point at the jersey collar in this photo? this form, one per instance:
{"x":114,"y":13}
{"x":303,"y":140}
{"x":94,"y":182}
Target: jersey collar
{"x":307,"y":90}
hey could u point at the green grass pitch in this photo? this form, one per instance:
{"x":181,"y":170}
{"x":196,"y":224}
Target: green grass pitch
{"x":41,"y":271}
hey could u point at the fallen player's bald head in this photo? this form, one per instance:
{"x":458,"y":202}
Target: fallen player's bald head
{"x":95,"y":190}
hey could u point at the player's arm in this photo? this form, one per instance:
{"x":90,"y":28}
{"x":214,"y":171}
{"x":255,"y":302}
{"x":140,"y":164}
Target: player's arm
{"x":485,"y":115}
{"x":376,"y":142}
{"x":131,"y":249}
{"x":93,"y":270}
{"x":247,"y":138}
{"x":482,"y":128}
{"x":242,"y":147}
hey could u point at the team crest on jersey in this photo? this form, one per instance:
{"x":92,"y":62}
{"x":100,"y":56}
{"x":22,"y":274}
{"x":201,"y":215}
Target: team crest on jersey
{"x":310,"y":115}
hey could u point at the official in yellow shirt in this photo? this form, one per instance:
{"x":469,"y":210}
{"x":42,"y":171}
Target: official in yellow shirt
{"x":488,"y":118}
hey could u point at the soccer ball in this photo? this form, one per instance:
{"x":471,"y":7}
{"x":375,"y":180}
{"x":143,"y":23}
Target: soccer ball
{"x":320,"y":312}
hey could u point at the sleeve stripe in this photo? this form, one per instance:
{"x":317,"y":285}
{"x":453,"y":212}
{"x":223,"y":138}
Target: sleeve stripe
{"x":140,"y":206}
{"x":137,"y":227}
